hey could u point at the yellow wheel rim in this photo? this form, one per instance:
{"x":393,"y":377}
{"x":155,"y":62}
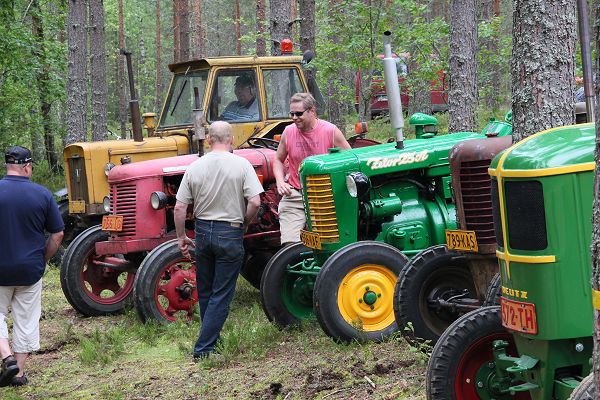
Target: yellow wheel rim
{"x":366,"y":297}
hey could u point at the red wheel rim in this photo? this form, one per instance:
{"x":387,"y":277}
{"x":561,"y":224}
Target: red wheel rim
{"x":105,"y":285}
{"x":175,"y":292}
{"x":479,"y":353}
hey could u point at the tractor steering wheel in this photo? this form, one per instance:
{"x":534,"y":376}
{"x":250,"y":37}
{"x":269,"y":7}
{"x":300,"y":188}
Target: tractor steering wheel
{"x":261,"y":142}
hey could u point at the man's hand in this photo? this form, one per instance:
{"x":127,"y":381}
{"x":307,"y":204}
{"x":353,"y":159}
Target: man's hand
{"x":184,"y":246}
{"x":284,"y":188}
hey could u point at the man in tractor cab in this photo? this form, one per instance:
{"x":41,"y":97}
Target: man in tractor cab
{"x":307,"y":136}
{"x":246,"y":106}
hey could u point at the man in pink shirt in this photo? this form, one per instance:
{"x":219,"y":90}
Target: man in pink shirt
{"x":307,"y":136}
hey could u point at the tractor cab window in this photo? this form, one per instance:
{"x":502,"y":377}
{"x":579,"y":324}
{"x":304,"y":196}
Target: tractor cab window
{"x":280,"y":85}
{"x":186,"y":94}
{"x":235,"y":97}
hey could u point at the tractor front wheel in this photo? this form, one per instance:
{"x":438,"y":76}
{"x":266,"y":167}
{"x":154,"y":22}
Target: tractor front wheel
{"x":165,"y":287}
{"x":90,"y":283}
{"x":254,"y":267}
{"x":585,"y":390}
{"x":462,"y":363}
{"x":286,"y":287}
{"x":353,"y":296}
{"x":429,"y":292}
{"x":494,"y":292}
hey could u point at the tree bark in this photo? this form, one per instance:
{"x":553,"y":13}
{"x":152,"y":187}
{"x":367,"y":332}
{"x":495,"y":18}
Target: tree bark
{"x":595,"y":247}
{"x":281,"y":25}
{"x":463,"y":92}
{"x":76,"y":75}
{"x":307,"y":31}
{"x":176,"y":36}
{"x":261,"y":43}
{"x":334,"y":103}
{"x":197,"y":30}
{"x":184,"y":31}
{"x":158,"y":83}
{"x":123,"y":105}
{"x":98,"y":70}
{"x":543,"y":66}
{"x":43,"y":77}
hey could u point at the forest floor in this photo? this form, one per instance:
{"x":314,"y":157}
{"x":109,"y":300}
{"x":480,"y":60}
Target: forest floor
{"x":118,"y":357}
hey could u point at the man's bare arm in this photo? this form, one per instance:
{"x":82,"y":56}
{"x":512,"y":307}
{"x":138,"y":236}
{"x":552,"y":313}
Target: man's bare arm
{"x":251,"y":209}
{"x":283,"y":188}
{"x":340,"y":141}
{"x":179,"y":215}
{"x":52,"y":244}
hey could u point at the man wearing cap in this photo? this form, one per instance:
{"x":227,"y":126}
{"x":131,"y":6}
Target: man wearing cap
{"x":246,"y":106}
{"x":27,"y":211}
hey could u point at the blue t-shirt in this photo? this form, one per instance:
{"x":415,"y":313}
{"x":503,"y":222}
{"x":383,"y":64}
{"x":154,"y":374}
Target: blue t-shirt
{"x":27,"y":211}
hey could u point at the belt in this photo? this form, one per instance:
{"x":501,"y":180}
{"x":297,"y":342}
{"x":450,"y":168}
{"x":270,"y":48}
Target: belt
{"x":232,"y":224}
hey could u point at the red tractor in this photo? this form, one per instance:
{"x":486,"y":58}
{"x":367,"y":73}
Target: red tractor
{"x":98,"y":272}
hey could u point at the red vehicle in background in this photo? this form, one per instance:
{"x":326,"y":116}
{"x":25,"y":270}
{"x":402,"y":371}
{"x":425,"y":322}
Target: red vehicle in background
{"x":379,"y":102}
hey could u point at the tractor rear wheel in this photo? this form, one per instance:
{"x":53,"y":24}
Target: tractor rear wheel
{"x":254,"y":267}
{"x":461,"y":365}
{"x":91,"y":287}
{"x":165,"y":286}
{"x":585,"y":390}
{"x":433,"y":276}
{"x":286,"y":287}
{"x":494,"y":292}
{"x":353,"y":297}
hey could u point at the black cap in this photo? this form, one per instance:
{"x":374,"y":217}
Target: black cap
{"x":244,"y":81}
{"x":17,"y":155}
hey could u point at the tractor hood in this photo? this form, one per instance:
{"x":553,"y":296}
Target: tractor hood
{"x":385,"y":158}
{"x":261,"y":159}
{"x":567,"y":149}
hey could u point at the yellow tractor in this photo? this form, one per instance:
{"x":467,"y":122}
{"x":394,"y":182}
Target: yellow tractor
{"x":201,"y":91}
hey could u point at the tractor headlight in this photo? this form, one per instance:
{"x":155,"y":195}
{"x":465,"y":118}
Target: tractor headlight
{"x":108,"y":167}
{"x":358,"y":184}
{"x":106,"y":203}
{"x":158,"y":200}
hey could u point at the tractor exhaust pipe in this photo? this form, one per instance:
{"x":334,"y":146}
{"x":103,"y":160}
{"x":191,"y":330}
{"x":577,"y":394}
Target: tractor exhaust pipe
{"x":586,"y":57}
{"x":134,"y":105}
{"x":392,"y":89}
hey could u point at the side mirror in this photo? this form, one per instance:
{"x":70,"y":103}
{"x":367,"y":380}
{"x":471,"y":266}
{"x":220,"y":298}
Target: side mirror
{"x":307,"y":57}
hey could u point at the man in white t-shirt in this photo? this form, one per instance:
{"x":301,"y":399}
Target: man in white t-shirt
{"x":225,"y":192}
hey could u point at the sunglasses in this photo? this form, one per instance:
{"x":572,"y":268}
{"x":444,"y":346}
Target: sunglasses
{"x":297,"y":113}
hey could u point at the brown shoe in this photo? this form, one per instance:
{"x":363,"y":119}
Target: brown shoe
{"x":8,"y":370}
{"x":19,"y":380}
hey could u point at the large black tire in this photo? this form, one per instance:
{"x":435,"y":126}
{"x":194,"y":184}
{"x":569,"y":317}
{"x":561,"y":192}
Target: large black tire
{"x":353,"y":297}
{"x":254,"y":267}
{"x":436,"y":273}
{"x":286,"y":297}
{"x":165,"y":285}
{"x":91,"y":289}
{"x":494,"y":292}
{"x":585,"y":390}
{"x":460,"y":354}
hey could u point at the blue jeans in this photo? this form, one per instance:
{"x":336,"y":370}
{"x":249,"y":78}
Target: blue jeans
{"x":219,"y":258}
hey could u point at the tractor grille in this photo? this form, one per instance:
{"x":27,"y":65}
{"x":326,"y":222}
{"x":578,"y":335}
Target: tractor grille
{"x":78,"y":179}
{"x":321,"y":208}
{"x":475,"y":187}
{"x":123,"y":202}
{"x":525,"y":214}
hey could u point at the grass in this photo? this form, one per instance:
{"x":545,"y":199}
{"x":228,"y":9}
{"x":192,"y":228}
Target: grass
{"x":118,"y":357}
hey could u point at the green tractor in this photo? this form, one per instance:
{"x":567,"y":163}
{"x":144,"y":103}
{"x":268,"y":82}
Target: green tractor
{"x":369,"y":211}
{"x":538,"y":343}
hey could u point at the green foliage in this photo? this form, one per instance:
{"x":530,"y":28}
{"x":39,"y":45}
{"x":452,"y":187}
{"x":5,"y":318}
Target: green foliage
{"x":103,"y":347}
{"x":43,"y":174}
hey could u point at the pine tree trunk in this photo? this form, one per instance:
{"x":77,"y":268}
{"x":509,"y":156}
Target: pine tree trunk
{"x":463,"y":92}
{"x":334,"y":106}
{"x":176,"y":36}
{"x":76,"y":75}
{"x":184,"y":31}
{"x":98,"y":70}
{"x":261,"y":43}
{"x":281,"y":26}
{"x":158,"y":83}
{"x":543,"y":66}
{"x":307,"y":31}
{"x":197,"y":31}
{"x":123,"y":105}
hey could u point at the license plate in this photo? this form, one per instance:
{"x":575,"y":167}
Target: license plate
{"x":311,"y":239}
{"x":461,"y":240}
{"x":519,"y":316}
{"x":112,"y":223}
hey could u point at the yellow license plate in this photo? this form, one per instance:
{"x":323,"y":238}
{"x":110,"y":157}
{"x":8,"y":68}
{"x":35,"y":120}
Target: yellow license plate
{"x":311,"y":239}
{"x":519,"y":316}
{"x":112,"y":223}
{"x":461,"y":240}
